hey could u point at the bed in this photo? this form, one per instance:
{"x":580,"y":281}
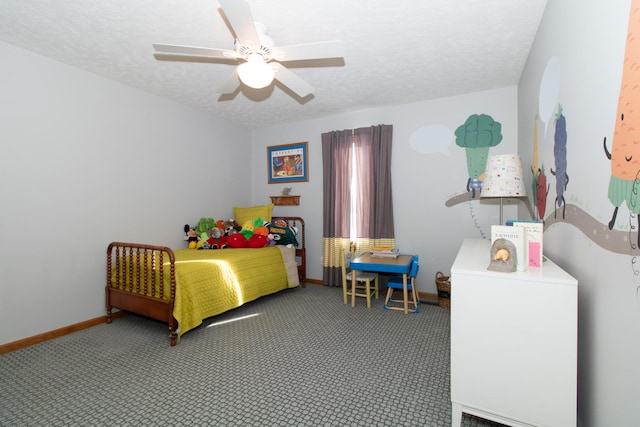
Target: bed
{"x":185,"y":286}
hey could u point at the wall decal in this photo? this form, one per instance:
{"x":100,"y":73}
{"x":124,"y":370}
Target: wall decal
{"x":624,"y":184}
{"x":625,"y":152}
{"x":620,"y":150}
{"x":535,"y":167}
{"x":431,"y":139}
{"x":541,"y":193}
{"x":560,"y":156}
{"x":539,"y":179}
{"x":612,"y":240}
{"x":549,"y":90}
{"x":478,"y":133}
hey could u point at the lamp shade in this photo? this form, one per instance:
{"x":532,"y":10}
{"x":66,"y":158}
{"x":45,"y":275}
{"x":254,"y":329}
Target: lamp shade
{"x":503,"y":177}
{"x":255,"y":72}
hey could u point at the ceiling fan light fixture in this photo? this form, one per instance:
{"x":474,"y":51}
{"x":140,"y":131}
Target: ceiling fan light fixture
{"x":255,"y":72}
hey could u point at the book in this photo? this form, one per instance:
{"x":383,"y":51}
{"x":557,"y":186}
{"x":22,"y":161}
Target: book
{"x":534,"y":232}
{"x":517,"y":238}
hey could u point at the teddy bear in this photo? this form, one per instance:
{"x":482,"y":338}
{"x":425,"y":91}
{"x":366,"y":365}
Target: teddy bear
{"x":231,"y":226}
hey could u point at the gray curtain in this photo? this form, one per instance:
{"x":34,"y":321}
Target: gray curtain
{"x":375,"y":201}
{"x":374,"y":206}
{"x":336,"y":182}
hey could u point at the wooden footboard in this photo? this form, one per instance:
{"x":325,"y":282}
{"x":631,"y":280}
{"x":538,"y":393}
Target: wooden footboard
{"x":137,"y":280}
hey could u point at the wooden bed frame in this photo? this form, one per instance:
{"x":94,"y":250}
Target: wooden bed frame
{"x":138,"y":283}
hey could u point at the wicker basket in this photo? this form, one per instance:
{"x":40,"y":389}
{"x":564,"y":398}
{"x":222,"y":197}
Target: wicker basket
{"x":444,"y":290}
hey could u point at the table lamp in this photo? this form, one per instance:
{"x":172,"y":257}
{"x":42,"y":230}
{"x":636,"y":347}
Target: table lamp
{"x":503,"y":178}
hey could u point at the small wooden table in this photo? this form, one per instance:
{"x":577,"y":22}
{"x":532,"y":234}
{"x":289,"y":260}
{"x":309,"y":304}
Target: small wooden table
{"x":399,"y":265}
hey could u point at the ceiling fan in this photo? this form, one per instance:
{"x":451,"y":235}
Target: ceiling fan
{"x":260,"y":61}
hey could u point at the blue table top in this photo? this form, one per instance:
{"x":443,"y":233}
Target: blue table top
{"x":399,"y":265}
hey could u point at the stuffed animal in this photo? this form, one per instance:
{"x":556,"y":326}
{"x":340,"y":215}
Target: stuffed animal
{"x":262,"y":230}
{"x":257,"y":241}
{"x":257,"y":226}
{"x":250,"y":226}
{"x":215,"y":233}
{"x":247,"y":229}
{"x":281,"y":234}
{"x":230,"y":227}
{"x":191,"y":236}
{"x":216,"y":239}
{"x":204,"y":225}
{"x":237,"y":240}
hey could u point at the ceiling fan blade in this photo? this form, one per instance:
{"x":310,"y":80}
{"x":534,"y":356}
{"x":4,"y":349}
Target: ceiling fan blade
{"x":319,"y":50}
{"x":291,"y":80}
{"x":193,"y":51}
{"x":241,"y":20}
{"x":231,"y":84}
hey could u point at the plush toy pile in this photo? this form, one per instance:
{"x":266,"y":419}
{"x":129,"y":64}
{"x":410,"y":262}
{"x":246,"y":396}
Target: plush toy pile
{"x":221,"y":234}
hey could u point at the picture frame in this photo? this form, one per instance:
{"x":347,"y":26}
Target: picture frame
{"x":288,"y":163}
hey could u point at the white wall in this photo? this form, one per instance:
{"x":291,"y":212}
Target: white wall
{"x":588,"y":38}
{"x":74,"y":149}
{"x":422,"y":182}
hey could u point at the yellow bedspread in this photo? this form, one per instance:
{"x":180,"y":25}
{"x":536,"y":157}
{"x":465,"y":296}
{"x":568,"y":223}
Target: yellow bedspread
{"x":210,"y":282}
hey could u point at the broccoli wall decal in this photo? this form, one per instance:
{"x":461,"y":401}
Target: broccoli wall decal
{"x":478,"y":133}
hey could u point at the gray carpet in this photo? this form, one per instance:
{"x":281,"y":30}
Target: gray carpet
{"x":302,"y":359}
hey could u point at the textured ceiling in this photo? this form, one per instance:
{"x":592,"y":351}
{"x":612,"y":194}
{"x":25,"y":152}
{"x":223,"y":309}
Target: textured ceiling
{"x":396,"y":52}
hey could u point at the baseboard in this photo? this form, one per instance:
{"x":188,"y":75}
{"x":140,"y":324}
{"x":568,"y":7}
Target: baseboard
{"x":56,"y":333}
{"x":428,"y":297}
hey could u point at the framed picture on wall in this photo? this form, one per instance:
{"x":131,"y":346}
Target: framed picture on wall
{"x":288,"y":163}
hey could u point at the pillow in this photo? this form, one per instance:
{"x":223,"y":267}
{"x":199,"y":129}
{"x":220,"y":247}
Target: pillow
{"x":243,"y":215}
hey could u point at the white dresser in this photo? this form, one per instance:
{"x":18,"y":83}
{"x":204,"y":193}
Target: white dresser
{"x":513,"y":341}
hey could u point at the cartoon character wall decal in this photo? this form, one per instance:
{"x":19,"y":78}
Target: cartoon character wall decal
{"x":535,"y":169}
{"x":560,"y":156}
{"x":539,"y":179}
{"x":478,"y":133}
{"x":625,"y":150}
{"x":542,"y":191}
